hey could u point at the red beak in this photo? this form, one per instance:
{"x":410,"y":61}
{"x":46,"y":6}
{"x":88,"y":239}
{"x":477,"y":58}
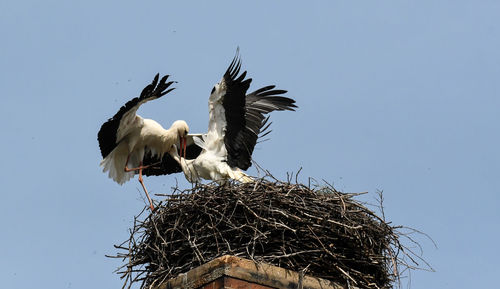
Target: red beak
{"x":182,"y":149}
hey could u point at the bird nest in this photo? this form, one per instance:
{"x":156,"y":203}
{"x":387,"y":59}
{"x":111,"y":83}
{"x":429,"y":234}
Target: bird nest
{"x":318,"y":231}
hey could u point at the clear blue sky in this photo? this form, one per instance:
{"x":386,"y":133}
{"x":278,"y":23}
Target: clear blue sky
{"x":400,"y":96}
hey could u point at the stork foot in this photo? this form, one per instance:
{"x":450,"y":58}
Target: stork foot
{"x":139,"y":168}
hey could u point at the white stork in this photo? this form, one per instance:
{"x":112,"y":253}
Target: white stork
{"x":236,"y":121}
{"x":126,"y":138}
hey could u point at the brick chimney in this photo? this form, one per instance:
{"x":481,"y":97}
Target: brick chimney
{"x":230,"y":272}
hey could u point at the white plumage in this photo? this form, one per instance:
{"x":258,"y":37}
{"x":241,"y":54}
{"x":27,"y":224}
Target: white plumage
{"x":143,"y":135}
{"x":126,"y":137}
{"x":131,"y":144}
{"x":211,"y":163}
{"x":235,"y":122}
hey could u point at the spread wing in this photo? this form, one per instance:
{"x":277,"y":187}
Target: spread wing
{"x":261,"y":102}
{"x":241,"y":118}
{"x":126,"y":119}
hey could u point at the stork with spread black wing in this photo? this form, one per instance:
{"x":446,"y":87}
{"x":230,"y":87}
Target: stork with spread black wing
{"x":236,"y":120}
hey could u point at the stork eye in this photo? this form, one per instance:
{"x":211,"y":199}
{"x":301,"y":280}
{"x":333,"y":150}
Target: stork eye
{"x":213,"y":89}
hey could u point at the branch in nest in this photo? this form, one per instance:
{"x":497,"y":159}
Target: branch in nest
{"x":289,"y":225}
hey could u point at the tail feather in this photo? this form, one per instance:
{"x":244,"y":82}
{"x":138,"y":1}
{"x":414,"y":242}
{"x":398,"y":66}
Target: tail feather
{"x":114,"y":163}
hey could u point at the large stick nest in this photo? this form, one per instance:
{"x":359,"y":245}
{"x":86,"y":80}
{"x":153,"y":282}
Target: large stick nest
{"x":319,"y":231}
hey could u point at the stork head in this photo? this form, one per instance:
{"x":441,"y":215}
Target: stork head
{"x":182,"y":130}
{"x":181,"y":127}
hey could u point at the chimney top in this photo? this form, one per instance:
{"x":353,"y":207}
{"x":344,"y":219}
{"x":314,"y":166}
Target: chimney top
{"x":234,"y":272}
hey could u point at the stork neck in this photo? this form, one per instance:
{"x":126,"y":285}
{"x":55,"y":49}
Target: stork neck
{"x":170,"y":135}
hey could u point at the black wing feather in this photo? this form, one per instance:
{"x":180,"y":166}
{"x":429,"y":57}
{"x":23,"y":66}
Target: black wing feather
{"x":107,"y":134}
{"x":234,"y":110}
{"x":246,"y":114}
{"x":257,"y":105}
{"x":167,"y":164}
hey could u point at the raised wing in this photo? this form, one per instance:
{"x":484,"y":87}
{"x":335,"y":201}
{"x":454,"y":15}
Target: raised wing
{"x":244,"y":114}
{"x":261,"y":102}
{"x":126,"y":119}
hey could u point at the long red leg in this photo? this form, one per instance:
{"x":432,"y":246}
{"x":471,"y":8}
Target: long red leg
{"x":140,"y":168}
{"x":144,"y":187}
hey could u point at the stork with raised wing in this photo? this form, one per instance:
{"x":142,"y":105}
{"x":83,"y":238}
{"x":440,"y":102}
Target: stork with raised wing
{"x":236,"y":121}
{"x":126,"y":138}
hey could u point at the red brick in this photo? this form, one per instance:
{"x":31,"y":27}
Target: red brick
{"x":230,"y":272}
